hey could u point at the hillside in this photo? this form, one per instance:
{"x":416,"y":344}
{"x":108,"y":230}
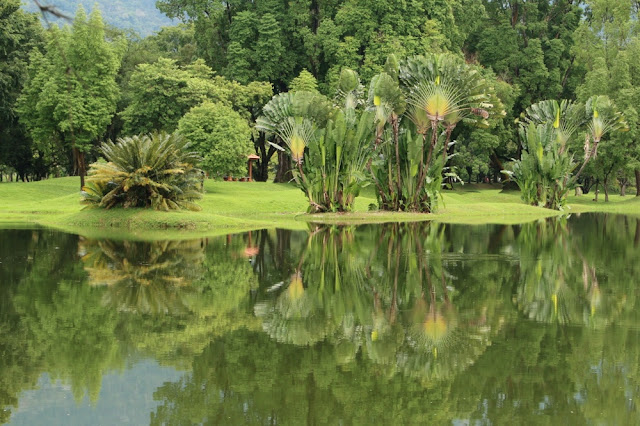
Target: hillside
{"x":138,"y":15}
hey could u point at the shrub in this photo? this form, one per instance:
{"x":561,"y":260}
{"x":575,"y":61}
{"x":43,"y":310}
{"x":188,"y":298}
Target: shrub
{"x":155,"y":170}
{"x":221,"y":136}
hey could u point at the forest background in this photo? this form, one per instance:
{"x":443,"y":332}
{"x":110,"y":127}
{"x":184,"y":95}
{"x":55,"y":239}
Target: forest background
{"x":214,"y":71}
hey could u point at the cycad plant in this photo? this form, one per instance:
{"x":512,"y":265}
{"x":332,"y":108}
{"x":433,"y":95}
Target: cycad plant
{"x":155,"y":170}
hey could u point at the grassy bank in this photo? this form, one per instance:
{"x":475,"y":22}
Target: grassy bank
{"x":237,"y":206}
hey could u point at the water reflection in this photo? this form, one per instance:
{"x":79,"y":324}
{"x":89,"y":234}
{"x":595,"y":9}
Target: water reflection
{"x":144,"y":277}
{"x":387,"y":324}
{"x":559,"y":278}
{"x":384,"y":291}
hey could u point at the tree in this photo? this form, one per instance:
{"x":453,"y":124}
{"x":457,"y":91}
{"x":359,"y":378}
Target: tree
{"x":438,"y":92}
{"x":72,"y":93}
{"x":220,"y":135}
{"x":304,"y":82}
{"x":20,"y":32}
{"x":546,"y":171}
{"x":162,"y":92}
{"x":608,"y":46}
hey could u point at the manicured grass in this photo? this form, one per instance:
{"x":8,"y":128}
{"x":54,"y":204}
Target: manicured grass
{"x":238,"y":206}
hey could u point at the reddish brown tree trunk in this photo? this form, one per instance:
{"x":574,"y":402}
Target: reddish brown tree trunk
{"x":637,"y":182}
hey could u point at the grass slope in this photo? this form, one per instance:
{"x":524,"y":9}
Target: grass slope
{"x":239,"y":206}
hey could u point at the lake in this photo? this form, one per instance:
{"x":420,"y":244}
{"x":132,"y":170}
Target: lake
{"x":422,"y":323}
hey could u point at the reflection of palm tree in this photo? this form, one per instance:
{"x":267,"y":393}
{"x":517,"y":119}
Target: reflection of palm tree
{"x":557,"y":282}
{"x":145,"y":277}
{"x":294,"y":317}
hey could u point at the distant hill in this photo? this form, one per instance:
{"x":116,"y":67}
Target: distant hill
{"x":138,"y":15}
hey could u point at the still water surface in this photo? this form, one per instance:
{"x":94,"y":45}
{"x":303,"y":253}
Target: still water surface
{"x":388,"y":324}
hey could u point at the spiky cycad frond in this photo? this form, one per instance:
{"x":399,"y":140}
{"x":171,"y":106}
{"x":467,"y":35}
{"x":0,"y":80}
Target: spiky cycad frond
{"x":154,"y":170}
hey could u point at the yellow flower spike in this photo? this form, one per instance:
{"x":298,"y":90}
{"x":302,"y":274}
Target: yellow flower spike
{"x":556,"y":123}
{"x":437,"y":80}
{"x":376,"y":100}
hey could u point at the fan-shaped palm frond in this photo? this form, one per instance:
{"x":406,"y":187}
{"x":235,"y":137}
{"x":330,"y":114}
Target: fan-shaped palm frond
{"x":566,"y":117}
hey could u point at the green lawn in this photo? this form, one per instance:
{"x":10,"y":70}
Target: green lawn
{"x":238,"y":206}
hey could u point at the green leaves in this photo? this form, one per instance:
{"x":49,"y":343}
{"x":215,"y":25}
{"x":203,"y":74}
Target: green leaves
{"x":154,"y":171}
{"x":221,"y":136}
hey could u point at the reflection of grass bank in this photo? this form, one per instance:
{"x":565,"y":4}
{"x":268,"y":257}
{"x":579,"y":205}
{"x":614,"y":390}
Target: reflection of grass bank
{"x":235,"y":206}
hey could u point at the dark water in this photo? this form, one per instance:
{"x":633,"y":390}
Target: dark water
{"x":394,"y":324}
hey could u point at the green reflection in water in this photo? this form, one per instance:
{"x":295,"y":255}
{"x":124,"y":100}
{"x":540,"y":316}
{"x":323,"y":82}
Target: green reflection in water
{"x":415,"y":323}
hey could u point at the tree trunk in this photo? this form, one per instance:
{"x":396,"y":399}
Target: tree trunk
{"x":623,"y":187}
{"x":596,"y":190}
{"x":261,"y":171}
{"x":79,"y":167}
{"x":284,"y":173}
{"x":637,"y":182}
{"x":636,"y":239}
{"x":606,"y":189}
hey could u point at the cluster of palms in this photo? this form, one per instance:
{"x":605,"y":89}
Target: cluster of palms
{"x":391,"y":139}
{"x":549,"y":129}
{"x":395,"y":135}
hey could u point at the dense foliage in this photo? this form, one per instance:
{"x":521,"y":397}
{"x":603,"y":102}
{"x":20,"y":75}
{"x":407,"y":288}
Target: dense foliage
{"x":154,"y":171}
{"x":239,"y":53}
{"x":71,"y":94}
{"x":547,"y":169}
{"x":221,"y":136}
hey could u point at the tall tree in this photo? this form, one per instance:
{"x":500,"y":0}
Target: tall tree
{"x":19,"y":33}
{"x":608,"y":46}
{"x":72,"y":92}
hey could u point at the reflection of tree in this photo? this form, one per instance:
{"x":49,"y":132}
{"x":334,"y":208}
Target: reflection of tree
{"x":248,"y":378}
{"x":214,"y":298}
{"x":52,"y":321}
{"x":559,"y":278}
{"x":57,"y":322}
{"x":381,"y":290}
{"x":144,"y":277}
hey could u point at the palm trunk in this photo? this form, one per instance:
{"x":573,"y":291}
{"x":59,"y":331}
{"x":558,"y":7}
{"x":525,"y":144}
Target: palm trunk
{"x":425,"y":167}
{"x":587,"y":157}
{"x":394,"y":125}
